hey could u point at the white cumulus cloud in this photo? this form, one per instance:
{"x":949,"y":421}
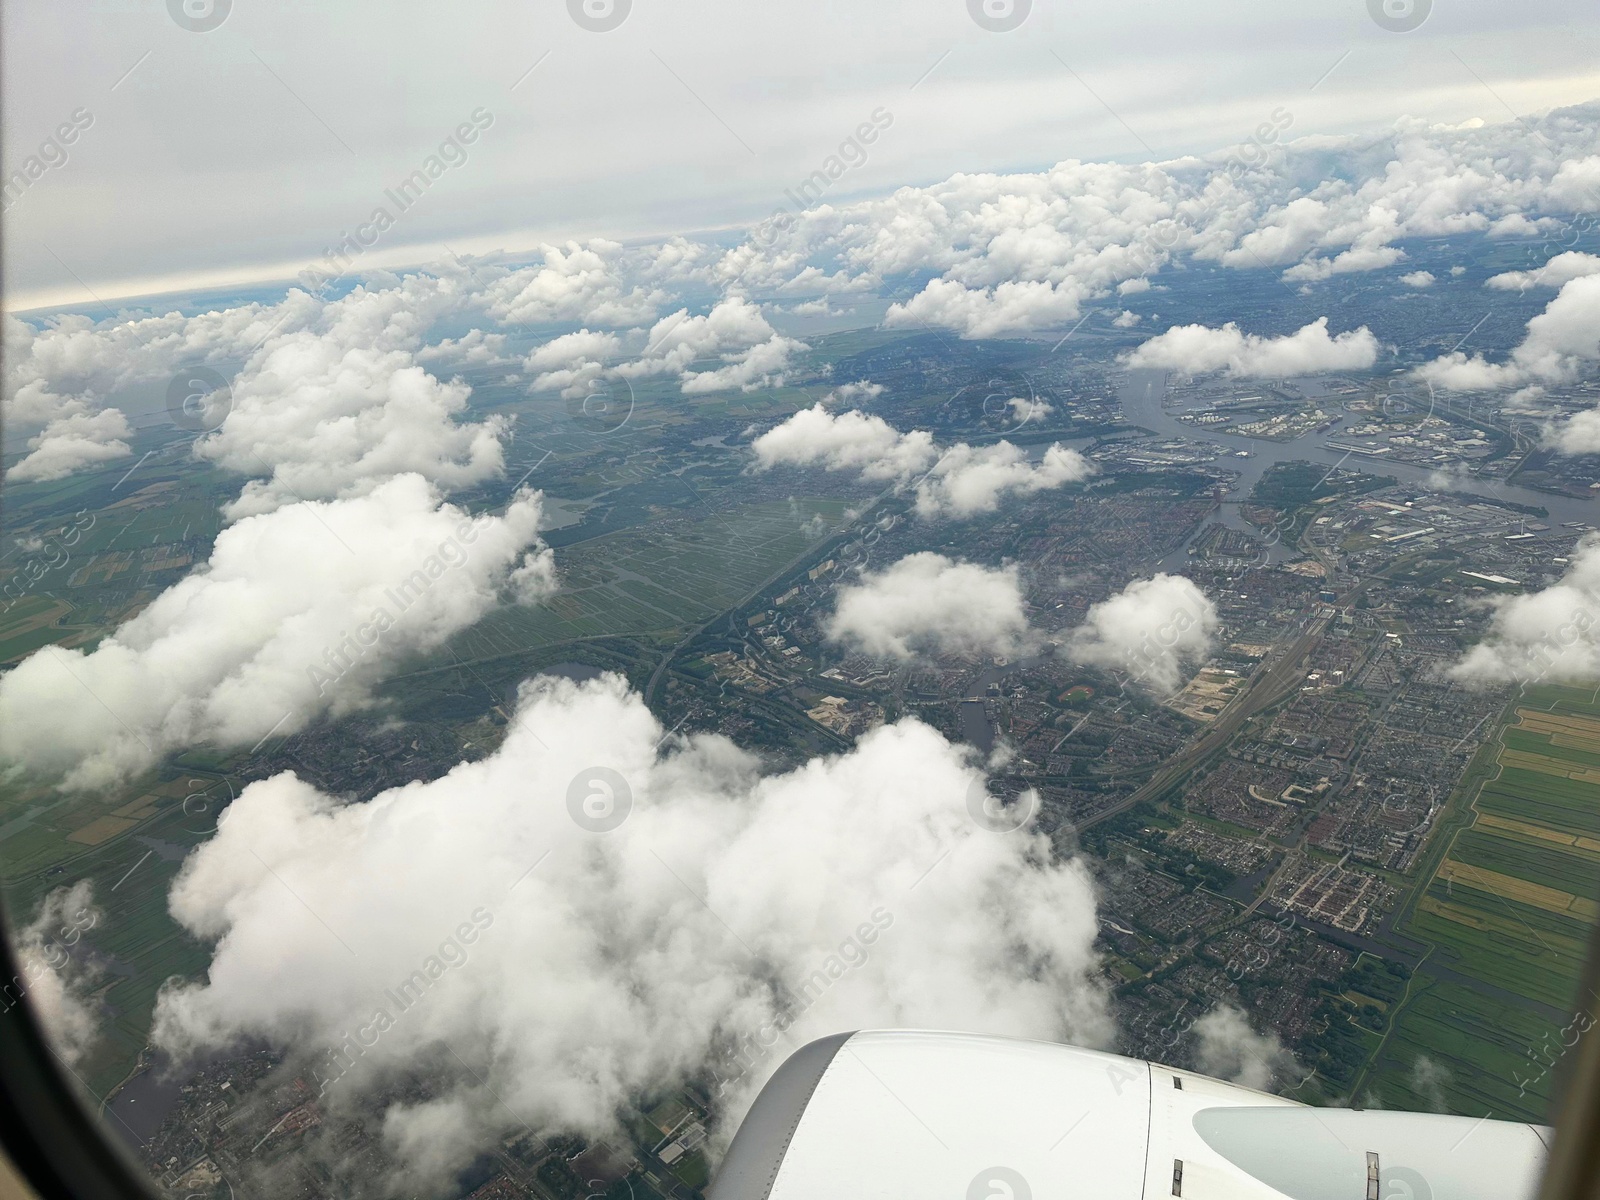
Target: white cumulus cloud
{"x":1560,"y":342}
{"x":336,"y":408}
{"x":576,"y":282}
{"x":729,"y":917}
{"x":1199,"y":349}
{"x":572,"y":362}
{"x":298,"y":612}
{"x":57,"y":977}
{"x":1552,"y":634}
{"x":972,"y":479}
{"x":1562,"y":269}
{"x":475,"y":348}
{"x":927,"y":603}
{"x":733,"y":332}
{"x":1152,"y":630}
{"x":854,"y":393}
{"x":846,"y":441}
{"x":1024,"y":409}
{"x":956,"y":482}
{"x":73,"y":441}
{"x":1008,"y":254}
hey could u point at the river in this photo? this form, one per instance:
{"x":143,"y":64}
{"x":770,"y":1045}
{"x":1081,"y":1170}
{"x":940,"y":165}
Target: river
{"x":1141,"y":405}
{"x":1141,"y":397}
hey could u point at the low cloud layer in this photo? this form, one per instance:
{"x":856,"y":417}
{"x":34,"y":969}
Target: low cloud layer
{"x":329,"y":397}
{"x":574,"y":282}
{"x":298,"y":612}
{"x":60,"y":377}
{"x":1022,"y":252}
{"x":959,"y":481}
{"x":1152,"y":630}
{"x":1550,"y":635}
{"x":927,"y":603}
{"x":588,"y":914}
{"x":1003,"y":254}
{"x":1198,"y":350}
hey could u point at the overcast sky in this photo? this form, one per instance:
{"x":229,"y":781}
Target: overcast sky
{"x":239,"y":153}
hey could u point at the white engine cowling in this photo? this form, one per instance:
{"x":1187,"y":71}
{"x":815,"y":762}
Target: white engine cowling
{"x":913,"y":1115}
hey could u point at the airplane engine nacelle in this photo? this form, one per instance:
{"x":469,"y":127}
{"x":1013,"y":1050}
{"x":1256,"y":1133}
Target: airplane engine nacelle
{"x":910,"y":1115}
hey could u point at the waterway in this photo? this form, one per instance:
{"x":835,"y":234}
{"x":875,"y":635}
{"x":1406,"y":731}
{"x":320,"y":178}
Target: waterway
{"x":143,"y":1103}
{"x":1142,"y":397}
{"x":976,"y":728}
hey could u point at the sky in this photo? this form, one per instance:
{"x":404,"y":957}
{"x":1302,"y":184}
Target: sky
{"x":237,"y":153}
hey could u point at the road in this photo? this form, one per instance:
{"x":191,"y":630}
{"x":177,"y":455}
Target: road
{"x":1278,"y":681}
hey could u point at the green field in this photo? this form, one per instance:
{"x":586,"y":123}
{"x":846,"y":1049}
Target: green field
{"x":673,"y":575}
{"x":1563,"y":804}
{"x":1517,"y":947}
{"x":1511,"y":894}
{"x":131,"y":874}
{"x":1551,"y":865}
{"x":1480,"y":1054}
{"x":1539,"y":743}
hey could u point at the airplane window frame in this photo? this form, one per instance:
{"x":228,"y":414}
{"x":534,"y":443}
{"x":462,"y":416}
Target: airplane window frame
{"x":51,"y":1137}
{"x":1572,"y":1171}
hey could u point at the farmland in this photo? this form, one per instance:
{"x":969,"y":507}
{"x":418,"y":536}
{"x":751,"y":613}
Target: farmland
{"x":1507,"y":913}
{"x":677,"y":572}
